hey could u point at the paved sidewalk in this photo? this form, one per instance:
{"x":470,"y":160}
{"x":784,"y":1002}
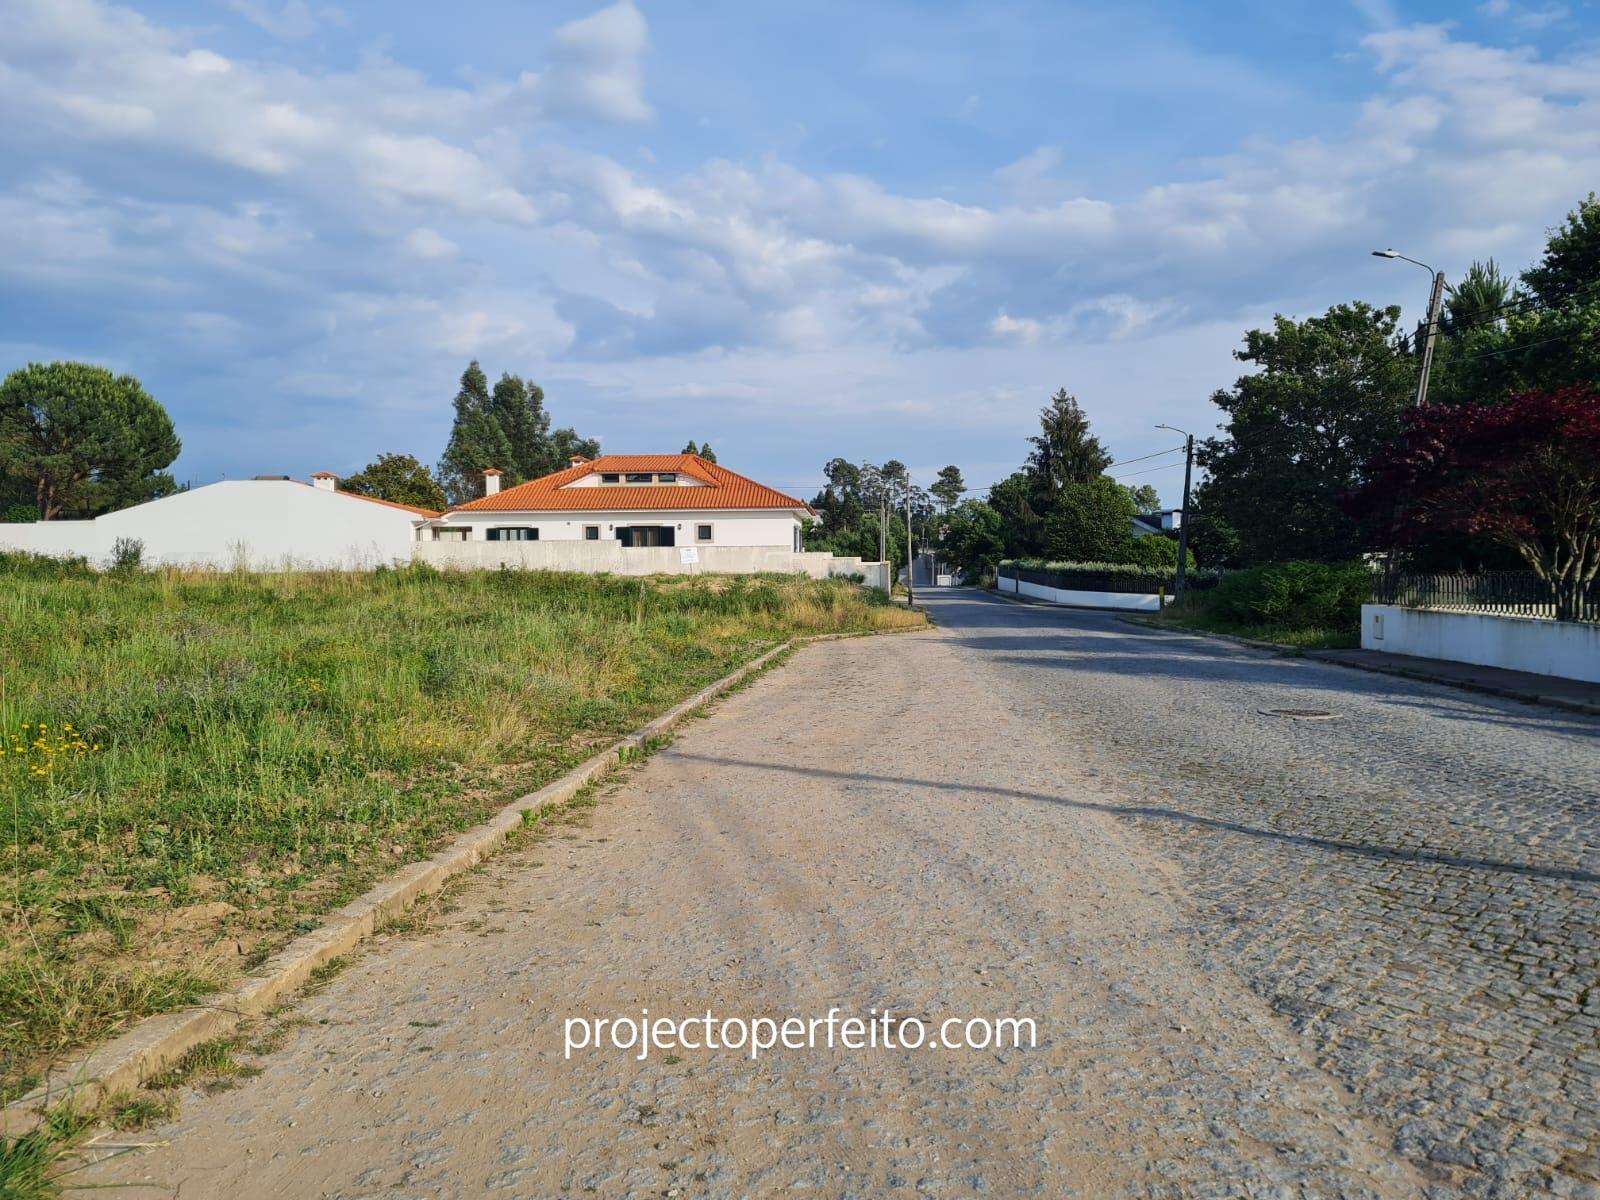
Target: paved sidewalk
{"x":1516,"y":685}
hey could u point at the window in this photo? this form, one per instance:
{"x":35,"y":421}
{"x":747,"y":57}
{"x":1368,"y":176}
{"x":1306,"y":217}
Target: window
{"x":513,"y":533}
{"x":591,"y":533}
{"x":702,"y":533}
{"x":637,"y":477}
{"x":667,"y":477}
{"x":609,"y":477}
{"x":452,"y":535}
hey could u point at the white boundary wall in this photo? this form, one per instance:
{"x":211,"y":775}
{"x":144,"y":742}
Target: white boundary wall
{"x":260,"y":524}
{"x":609,"y":557}
{"x":1567,"y":649}
{"x":1123,"y":601}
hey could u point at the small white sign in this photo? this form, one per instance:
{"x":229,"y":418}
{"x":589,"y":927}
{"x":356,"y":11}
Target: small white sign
{"x":688,"y":554}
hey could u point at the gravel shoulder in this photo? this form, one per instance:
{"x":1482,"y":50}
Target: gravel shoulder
{"x":946,"y":824}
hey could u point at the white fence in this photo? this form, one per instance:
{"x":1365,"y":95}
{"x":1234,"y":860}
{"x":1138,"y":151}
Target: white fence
{"x":1123,"y":601}
{"x":609,"y":557}
{"x":1566,"y":649}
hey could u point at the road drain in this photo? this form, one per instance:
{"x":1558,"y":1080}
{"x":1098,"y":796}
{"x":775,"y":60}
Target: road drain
{"x":1299,"y":714}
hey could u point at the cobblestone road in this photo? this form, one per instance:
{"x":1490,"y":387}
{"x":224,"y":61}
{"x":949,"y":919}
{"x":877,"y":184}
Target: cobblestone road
{"x":1415,"y":883}
{"x":1268,"y":957}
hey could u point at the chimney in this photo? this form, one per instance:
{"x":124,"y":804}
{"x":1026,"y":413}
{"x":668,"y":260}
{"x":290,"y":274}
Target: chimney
{"x":577,"y":460}
{"x":326,"y":480}
{"x":491,"y":481}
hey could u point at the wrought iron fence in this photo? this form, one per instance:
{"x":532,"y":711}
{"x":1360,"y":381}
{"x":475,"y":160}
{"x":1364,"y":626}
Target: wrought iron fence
{"x":1513,"y":593}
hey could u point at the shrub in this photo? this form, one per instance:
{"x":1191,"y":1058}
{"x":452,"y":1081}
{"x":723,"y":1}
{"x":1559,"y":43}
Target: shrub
{"x":1153,"y":553}
{"x":18,"y":514}
{"x":1295,"y":595}
{"x":127,"y":555}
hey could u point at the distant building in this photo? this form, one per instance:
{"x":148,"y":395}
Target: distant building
{"x":263,"y":524}
{"x":635,"y":501}
{"x":1168,"y":520}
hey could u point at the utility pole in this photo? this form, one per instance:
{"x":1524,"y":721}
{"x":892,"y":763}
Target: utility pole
{"x":1432,"y":329}
{"x":1183,"y":513}
{"x":883,"y":527}
{"x":1427,"y":341}
{"x":911,"y":568}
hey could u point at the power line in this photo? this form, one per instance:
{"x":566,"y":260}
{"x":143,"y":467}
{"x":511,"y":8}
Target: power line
{"x":1148,"y":470}
{"x":1141,"y":458}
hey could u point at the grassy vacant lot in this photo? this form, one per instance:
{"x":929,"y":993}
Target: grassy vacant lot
{"x":196,"y":764}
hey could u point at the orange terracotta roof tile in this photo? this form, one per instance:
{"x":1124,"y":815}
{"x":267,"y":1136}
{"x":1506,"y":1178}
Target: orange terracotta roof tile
{"x":727,"y":489}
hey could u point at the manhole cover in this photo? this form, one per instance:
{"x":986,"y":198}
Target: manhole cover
{"x":1298,"y":714}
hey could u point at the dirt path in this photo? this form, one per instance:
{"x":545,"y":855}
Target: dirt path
{"x":752,"y":869}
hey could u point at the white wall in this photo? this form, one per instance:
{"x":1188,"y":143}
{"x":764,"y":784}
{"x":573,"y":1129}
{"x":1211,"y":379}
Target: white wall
{"x":268,"y":524}
{"x":1568,"y":649}
{"x":1122,"y":601}
{"x":609,"y":557}
{"x":732,"y":528}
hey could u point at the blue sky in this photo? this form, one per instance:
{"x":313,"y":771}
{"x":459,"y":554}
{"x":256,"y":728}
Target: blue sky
{"x":797,"y":230}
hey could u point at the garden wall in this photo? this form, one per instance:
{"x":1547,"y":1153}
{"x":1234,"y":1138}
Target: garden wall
{"x":1566,"y":649}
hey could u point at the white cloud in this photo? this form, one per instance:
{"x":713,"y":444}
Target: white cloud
{"x":290,"y":19}
{"x":375,"y":222}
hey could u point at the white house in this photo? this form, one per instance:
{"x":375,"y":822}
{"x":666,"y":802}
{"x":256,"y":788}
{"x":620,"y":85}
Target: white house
{"x":261,"y":524}
{"x":630,"y":501}
{"x":1165,"y":520}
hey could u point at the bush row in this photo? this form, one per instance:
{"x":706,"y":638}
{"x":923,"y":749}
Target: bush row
{"x":1291,"y":596}
{"x":1102,"y":576}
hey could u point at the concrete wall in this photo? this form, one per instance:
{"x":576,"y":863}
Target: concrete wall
{"x":753,"y":529}
{"x":611,"y":558}
{"x":262,"y":524}
{"x":1123,"y":601}
{"x":1568,"y":649}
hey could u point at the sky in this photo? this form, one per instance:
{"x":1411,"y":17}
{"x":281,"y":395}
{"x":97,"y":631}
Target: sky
{"x":797,"y":230}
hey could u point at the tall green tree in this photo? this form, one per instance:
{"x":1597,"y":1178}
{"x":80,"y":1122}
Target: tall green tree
{"x":398,"y":478}
{"x":1091,"y":522}
{"x":707,"y":453}
{"x":949,"y":487}
{"x":1145,"y":497}
{"x":1327,"y":392}
{"x":518,"y":408}
{"x":476,"y":440}
{"x":972,"y":538}
{"x":1023,"y":505}
{"x":77,"y":440}
{"x":565,"y":445}
{"x":1479,"y":299}
{"x":1548,"y":337}
{"x":691,"y":448}
{"x":1570,"y":268}
{"x":1064,"y":451}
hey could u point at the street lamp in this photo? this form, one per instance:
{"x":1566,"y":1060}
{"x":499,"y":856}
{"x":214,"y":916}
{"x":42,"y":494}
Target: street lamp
{"x":1183,"y":519}
{"x":1434,"y":302}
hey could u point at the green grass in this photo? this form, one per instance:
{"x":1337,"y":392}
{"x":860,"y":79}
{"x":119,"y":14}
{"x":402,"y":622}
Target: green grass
{"x":1313,"y":638}
{"x":199,"y":763}
{"x":1309,"y":605}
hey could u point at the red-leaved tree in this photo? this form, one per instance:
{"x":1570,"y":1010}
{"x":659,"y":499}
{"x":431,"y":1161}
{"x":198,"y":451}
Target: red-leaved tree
{"x":1525,"y":473}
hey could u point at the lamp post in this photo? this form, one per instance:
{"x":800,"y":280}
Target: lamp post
{"x":1183,"y":519}
{"x":1432,"y":329}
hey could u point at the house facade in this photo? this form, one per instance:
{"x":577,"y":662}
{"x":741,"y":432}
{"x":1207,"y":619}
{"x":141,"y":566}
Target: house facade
{"x":264,"y":524}
{"x":630,"y":502}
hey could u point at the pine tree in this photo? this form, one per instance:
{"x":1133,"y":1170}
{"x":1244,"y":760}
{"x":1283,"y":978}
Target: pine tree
{"x":519,"y":409}
{"x":691,"y":448}
{"x":476,"y":440}
{"x":1065,"y":451}
{"x":707,"y":453}
{"x":949,"y":487}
